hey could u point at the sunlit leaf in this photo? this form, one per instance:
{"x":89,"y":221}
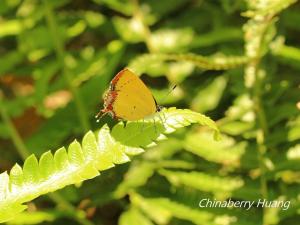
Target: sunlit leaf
{"x":84,"y":161}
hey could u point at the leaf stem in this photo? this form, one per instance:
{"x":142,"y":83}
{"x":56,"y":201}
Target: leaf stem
{"x":67,"y":206}
{"x":60,"y":53}
{"x":256,"y":39}
{"x":260,"y":139}
{"x":13,"y":133}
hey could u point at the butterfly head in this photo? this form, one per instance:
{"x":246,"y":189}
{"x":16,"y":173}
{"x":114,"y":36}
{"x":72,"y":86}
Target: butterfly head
{"x":159,"y":108}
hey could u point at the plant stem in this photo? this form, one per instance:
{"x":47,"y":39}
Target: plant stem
{"x":60,"y":53}
{"x":13,"y":133}
{"x":260,"y":139}
{"x":69,"y":207}
{"x":263,"y":129}
{"x":255,"y":38}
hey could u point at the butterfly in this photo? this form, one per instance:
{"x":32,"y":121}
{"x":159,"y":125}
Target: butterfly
{"x":128,"y":98}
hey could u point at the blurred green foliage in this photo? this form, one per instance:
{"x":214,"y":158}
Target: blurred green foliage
{"x":236,"y":61}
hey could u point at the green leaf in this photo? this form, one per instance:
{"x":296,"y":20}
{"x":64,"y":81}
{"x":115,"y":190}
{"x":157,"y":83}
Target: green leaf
{"x":220,"y":186}
{"x":293,"y":153}
{"x":165,"y":121}
{"x":31,"y":218}
{"x":124,"y":7}
{"x":31,"y":170}
{"x":130,"y":30}
{"x":236,"y":127}
{"x":134,"y":216}
{"x":137,"y":176}
{"x":224,"y":34}
{"x":10,"y":27}
{"x":46,"y":165}
{"x":156,"y":63}
{"x":16,"y":177}
{"x":273,"y":7}
{"x":232,"y":151}
{"x":82,"y":162}
{"x":208,"y":97}
{"x":9,"y":61}
{"x":171,"y":41}
{"x":161,"y":210}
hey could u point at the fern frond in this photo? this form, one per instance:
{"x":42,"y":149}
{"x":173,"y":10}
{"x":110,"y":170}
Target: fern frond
{"x":149,"y":62}
{"x":232,"y":151}
{"x":84,"y":161}
{"x":268,"y":7}
{"x":134,"y":216}
{"x":218,"y":62}
{"x":220,"y":186}
{"x":161,"y":210}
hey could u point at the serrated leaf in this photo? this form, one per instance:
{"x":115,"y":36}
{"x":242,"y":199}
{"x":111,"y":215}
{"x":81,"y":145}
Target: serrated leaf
{"x":75,"y":154}
{"x":171,"y":40}
{"x":161,"y":210}
{"x":31,"y":170}
{"x":199,"y":144}
{"x":208,"y":97}
{"x":46,"y":165}
{"x":16,"y":177}
{"x":61,"y":159}
{"x":4,"y":178}
{"x":134,"y":216}
{"x":82,"y":162}
{"x":134,"y":27}
{"x":156,"y":63}
{"x":135,"y":177}
{"x":89,"y":144}
{"x":221,"y":186}
{"x":31,"y":218}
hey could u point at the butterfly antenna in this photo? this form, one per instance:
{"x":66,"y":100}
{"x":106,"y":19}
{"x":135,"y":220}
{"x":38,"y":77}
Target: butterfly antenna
{"x":169,"y":92}
{"x":99,"y":115}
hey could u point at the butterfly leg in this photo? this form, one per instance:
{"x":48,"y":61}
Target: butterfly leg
{"x":102,"y":113}
{"x":124,"y":123}
{"x":99,"y":115}
{"x":162,"y":120}
{"x":143,"y":122}
{"x":155,"y":128}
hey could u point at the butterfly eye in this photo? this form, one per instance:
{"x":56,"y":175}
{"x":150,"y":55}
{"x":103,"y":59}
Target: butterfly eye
{"x":159,"y":108}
